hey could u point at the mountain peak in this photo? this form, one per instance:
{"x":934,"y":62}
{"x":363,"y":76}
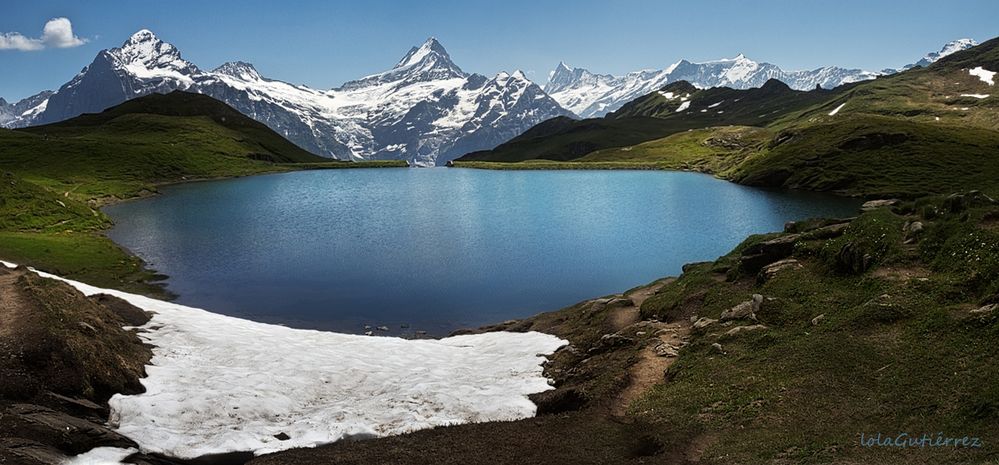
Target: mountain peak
{"x":948,"y":49}
{"x":140,"y":36}
{"x":956,"y":46}
{"x":238,"y":69}
{"x":144,"y":51}
{"x":430,"y":47}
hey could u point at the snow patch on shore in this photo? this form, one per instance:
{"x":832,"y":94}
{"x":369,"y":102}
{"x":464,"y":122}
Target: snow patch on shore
{"x":220,"y":384}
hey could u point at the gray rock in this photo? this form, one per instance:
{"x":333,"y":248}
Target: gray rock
{"x":717,"y":347}
{"x":665,"y":349}
{"x":771,"y":270}
{"x":818,"y":319}
{"x":745,"y":310}
{"x":876,"y":204}
{"x":609,"y":341}
{"x":744,"y":329}
{"x":704,"y":322}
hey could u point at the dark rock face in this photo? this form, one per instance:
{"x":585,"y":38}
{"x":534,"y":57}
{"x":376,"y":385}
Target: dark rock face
{"x":559,"y":400}
{"x":761,"y":254}
{"x":67,"y":433}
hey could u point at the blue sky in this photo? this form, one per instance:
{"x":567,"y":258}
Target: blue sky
{"x":324,"y":43}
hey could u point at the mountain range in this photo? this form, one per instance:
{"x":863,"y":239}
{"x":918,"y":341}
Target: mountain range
{"x":425,"y":109}
{"x":590,"y":95}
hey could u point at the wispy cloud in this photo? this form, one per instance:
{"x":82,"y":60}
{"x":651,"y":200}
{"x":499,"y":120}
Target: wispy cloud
{"x":57,"y":33}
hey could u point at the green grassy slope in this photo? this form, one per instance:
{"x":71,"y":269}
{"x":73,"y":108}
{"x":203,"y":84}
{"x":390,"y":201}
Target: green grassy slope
{"x":897,"y":349}
{"x":651,"y":117}
{"x":155,"y":139}
{"x":55,"y":176}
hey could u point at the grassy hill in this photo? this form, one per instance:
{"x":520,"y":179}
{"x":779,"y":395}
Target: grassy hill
{"x":676,"y":108}
{"x":923,"y":131}
{"x":55,"y":176}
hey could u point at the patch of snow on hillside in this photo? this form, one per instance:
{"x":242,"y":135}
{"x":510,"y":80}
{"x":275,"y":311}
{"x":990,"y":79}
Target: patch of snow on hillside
{"x":220,"y":384}
{"x":837,"y":109}
{"x":978,"y":96}
{"x":683,"y":106}
{"x":985,"y":75}
{"x":101,"y":456}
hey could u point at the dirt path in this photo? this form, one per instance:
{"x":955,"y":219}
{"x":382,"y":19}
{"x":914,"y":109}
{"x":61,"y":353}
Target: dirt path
{"x":650,"y":368}
{"x":11,"y":302}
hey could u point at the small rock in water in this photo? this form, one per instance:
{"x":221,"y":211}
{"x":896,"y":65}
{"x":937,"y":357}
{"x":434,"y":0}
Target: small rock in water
{"x":367,"y":327}
{"x":282,"y":437}
{"x":404,"y":326}
{"x":369,"y":333}
{"x":383,"y":328}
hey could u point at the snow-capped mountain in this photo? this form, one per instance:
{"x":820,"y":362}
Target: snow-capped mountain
{"x":15,"y":114}
{"x":590,"y":95}
{"x":425,"y":109}
{"x":949,"y":48}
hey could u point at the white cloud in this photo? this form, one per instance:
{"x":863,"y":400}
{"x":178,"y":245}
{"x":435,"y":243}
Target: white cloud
{"x":58,"y":33}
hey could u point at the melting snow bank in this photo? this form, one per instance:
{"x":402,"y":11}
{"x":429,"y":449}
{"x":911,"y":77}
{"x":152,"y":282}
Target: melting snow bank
{"x":837,"y":109}
{"x":220,"y":384}
{"x":101,"y":456}
{"x":985,"y":75}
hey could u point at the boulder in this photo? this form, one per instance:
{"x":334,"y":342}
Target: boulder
{"x":717,"y":348}
{"x":761,"y":254}
{"x":745,"y":310}
{"x":771,"y":270}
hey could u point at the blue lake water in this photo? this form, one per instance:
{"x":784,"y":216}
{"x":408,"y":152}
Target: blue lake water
{"x":439,"y":249}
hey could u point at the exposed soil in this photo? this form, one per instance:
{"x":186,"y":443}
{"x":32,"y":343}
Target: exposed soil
{"x":62,"y":355}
